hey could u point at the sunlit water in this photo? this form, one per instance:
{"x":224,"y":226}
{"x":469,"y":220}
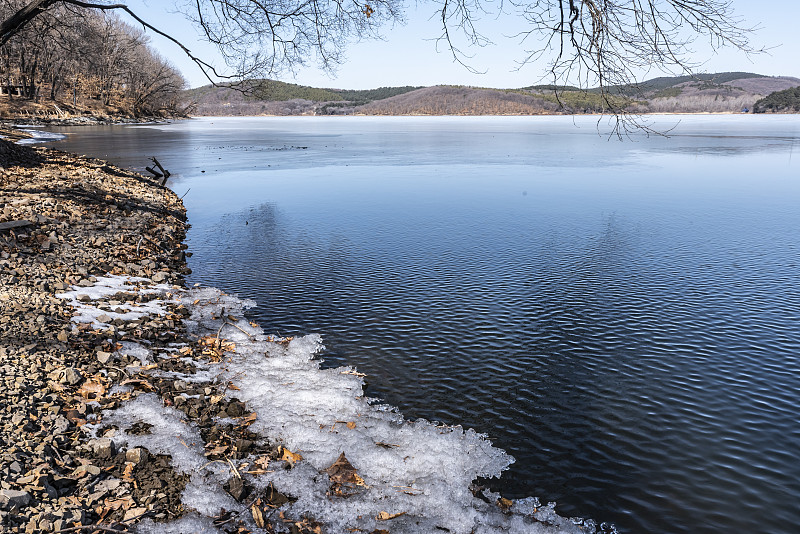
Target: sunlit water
{"x":622,"y":317}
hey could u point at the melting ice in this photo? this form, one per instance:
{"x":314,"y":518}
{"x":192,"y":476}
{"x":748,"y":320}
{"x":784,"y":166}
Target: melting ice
{"x":414,"y":472}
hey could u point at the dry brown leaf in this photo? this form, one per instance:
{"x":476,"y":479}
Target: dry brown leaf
{"x":93,"y":388}
{"x":385,"y":516}
{"x":139,"y":383}
{"x":250,"y":419}
{"x":133,"y":513}
{"x":504,"y":504}
{"x":219,"y":449}
{"x":116,"y":504}
{"x":258,"y":515}
{"x":342,"y":472}
{"x":127,"y":473}
{"x":289,"y":456}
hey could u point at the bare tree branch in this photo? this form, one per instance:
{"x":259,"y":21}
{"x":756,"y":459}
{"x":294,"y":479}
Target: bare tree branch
{"x":587,"y":43}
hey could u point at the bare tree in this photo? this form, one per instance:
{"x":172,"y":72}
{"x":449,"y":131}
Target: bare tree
{"x":105,"y":62}
{"x":603,"y":43}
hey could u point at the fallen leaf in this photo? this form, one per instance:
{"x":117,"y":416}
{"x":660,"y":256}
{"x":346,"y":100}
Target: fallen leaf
{"x":342,"y":472}
{"x":116,"y":504}
{"x":133,"y":513}
{"x":127,"y":473}
{"x":504,"y":504}
{"x":139,"y":383}
{"x":250,"y":419}
{"x":218,"y":450}
{"x":258,"y":516}
{"x":93,"y":388}
{"x":385,"y":516}
{"x":289,"y":456}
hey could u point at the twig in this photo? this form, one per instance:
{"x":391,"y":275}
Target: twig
{"x":240,"y":328}
{"x":233,"y":467}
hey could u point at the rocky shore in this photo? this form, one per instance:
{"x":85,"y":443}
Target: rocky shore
{"x":129,"y":402}
{"x":66,"y":220}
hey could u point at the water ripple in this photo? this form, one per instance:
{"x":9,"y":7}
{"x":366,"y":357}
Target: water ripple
{"x":621,"y":317}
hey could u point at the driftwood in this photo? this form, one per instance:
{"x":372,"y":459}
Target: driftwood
{"x":162,"y":169}
{"x":154,"y":172}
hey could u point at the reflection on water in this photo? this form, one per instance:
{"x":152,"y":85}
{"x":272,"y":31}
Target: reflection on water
{"x":621,"y":317}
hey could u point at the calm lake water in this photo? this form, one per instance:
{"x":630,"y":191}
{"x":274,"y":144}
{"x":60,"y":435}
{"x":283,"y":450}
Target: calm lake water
{"x":622,"y":317}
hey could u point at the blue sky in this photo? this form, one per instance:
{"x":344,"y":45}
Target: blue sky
{"x":408,"y":56}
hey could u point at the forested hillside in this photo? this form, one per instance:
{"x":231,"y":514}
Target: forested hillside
{"x":727,"y":92}
{"x":786,"y":101}
{"x":272,"y":97}
{"x":72,"y":61}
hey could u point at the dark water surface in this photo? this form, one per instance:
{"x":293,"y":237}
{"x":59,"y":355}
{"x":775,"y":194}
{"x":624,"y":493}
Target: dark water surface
{"x":622,"y":317}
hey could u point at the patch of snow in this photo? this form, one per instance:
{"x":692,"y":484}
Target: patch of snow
{"x":170,"y":434}
{"x":39,"y":136}
{"x":107,"y":286}
{"x":140,"y":352}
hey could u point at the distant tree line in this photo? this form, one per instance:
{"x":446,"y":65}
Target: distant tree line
{"x":83,"y":59}
{"x":787,"y":101}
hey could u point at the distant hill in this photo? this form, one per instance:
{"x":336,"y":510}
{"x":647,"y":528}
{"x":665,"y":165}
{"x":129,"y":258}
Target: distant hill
{"x":452,"y":100}
{"x":271,"y":97}
{"x":727,"y":92}
{"x":786,"y":101}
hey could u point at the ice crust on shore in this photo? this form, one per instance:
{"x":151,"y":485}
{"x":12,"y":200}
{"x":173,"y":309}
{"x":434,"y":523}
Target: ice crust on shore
{"x":108,"y":286}
{"x":416,"y":474}
{"x":414,"y":468}
{"x":39,"y":136}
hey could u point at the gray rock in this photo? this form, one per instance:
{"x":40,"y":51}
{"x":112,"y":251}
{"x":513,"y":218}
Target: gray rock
{"x":136,"y":455}
{"x":11,"y":499}
{"x":102,"y":447}
{"x":60,"y":425}
{"x":70,"y":376}
{"x":10,"y":225}
{"x":108,"y":485}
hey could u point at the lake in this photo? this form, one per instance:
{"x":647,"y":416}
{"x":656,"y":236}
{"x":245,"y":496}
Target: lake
{"x":623,"y":317}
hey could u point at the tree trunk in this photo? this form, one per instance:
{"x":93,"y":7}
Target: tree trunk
{"x":13,"y":24}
